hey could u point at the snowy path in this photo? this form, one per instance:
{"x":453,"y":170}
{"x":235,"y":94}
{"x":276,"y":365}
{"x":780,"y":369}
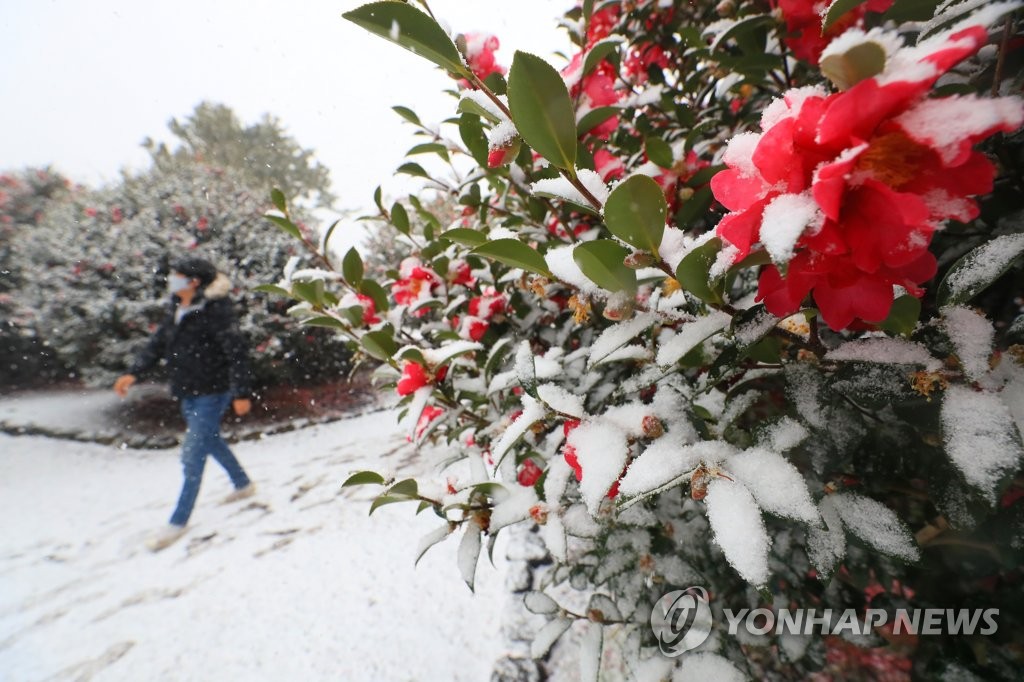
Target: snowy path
{"x":295,"y":583}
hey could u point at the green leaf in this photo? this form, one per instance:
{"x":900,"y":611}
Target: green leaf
{"x":327,"y":236}
{"x":364,"y":478}
{"x":472,"y":133}
{"x":277,"y":198}
{"x":408,"y":114}
{"x":514,"y":253}
{"x":911,"y":10}
{"x":635,"y":212}
{"x":312,"y":292}
{"x":379,"y":344}
{"x":368,"y":287}
{"x":428,"y":148}
{"x":602,"y":262}
{"x":412,"y":29}
{"x":325,"y":321}
{"x":600,"y":51}
{"x":976,"y":270}
{"x":836,"y":11}
{"x":400,"y":218}
{"x":693,"y":270}
{"x":903,"y":315}
{"x":595,"y":117}
{"x":742,"y":27}
{"x":860,"y":62}
{"x":388,"y":499}
{"x":694,"y":208}
{"x":464,"y":236}
{"x":352,"y":267}
{"x":404,"y":487}
{"x":286,"y":225}
{"x":413,"y":169}
{"x":470,"y":106}
{"x":704,"y":175}
{"x":659,"y":151}
{"x":542,"y":111}
{"x":273,"y":289}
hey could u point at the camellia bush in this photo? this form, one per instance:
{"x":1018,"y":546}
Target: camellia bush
{"x":733,"y":302}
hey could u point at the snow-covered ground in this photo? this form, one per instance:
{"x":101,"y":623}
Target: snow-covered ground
{"x":295,"y":583}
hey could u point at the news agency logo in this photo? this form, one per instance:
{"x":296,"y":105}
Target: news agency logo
{"x":681,"y":620}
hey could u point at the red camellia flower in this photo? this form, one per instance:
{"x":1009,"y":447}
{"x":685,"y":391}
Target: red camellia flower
{"x":569,"y":452}
{"x":414,"y":377}
{"x":480,"y":49}
{"x":415,"y":284}
{"x":472,"y":328}
{"x":845,"y":190}
{"x":803,"y":23}
{"x":488,"y":304}
{"x":351,"y":300}
{"x":529,"y":473}
{"x":641,"y":57}
{"x":429,"y":414}
{"x":607,"y":165}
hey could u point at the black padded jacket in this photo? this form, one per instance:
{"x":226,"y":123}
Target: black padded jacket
{"x":205,"y":352}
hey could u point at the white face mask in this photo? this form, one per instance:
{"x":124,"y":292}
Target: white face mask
{"x":176,"y":282}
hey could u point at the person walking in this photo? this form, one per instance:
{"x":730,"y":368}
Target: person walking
{"x":208,"y":364}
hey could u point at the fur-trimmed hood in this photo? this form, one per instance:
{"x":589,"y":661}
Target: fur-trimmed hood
{"x":220,"y":287}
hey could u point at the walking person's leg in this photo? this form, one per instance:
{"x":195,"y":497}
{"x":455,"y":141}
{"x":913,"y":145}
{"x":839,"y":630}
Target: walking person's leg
{"x":222,"y":453}
{"x":202,"y":416}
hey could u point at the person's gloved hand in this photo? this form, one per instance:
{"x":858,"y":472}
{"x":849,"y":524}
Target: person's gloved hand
{"x":123,"y":383}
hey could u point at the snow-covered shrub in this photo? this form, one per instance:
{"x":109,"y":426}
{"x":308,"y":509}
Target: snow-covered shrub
{"x":24,"y":197}
{"x":96,"y":265}
{"x":707,"y":320}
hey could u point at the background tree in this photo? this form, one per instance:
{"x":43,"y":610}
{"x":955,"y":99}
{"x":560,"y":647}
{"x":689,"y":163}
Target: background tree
{"x":98,"y":259}
{"x":262,"y":153}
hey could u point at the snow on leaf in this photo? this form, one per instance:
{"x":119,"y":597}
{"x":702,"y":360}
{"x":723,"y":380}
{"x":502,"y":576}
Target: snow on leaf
{"x":980,"y":439}
{"x":739,"y":529}
{"x":601,"y":450}
{"x":691,"y":334}
{"x":784,"y":434}
{"x":437,"y":356}
{"x":533,"y":411}
{"x":561,"y":188}
{"x":666,"y":460}
{"x":561,"y":400}
{"x":431,"y":539}
{"x":548,"y":635}
{"x":514,"y":508}
{"x":826,"y":545}
{"x":982,"y":266}
{"x":886,"y":351}
{"x":591,"y":644}
{"x":631,"y":353}
{"x":877,"y":525}
{"x":972,"y":336}
{"x":540,"y":603}
{"x":469,"y":552}
{"x":777,"y":485}
{"x":707,"y":667}
{"x":557,"y":480}
{"x":419,"y":401}
{"x":553,"y":534}
{"x":618,"y":335}
{"x":562,"y":265}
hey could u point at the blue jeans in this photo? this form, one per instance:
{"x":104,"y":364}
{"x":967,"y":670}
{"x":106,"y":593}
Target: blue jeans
{"x":202,"y":415}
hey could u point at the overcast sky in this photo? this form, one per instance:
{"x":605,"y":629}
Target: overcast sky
{"x":83,"y":82}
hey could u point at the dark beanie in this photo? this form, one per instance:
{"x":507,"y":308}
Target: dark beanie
{"x":203,"y":270}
